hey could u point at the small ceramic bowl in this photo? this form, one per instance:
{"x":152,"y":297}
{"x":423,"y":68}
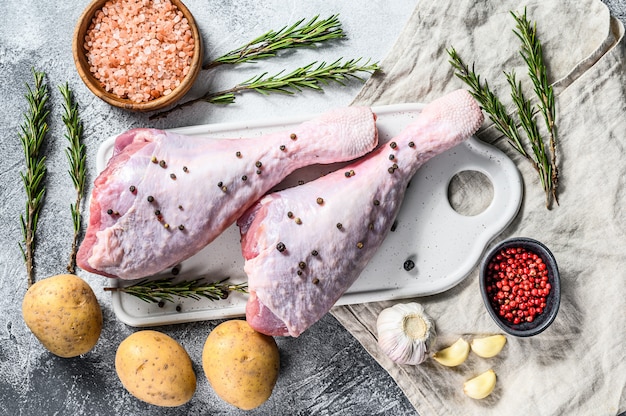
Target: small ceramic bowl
{"x":541,"y":321}
{"x":82,"y":65}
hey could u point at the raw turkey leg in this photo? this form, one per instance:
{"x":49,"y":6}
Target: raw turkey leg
{"x":304,"y":246}
{"x":163,"y":196}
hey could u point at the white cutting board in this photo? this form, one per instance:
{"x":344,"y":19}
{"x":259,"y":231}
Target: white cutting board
{"x":444,"y":245}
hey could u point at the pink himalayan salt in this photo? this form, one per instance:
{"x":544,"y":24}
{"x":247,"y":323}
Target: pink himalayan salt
{"x":139,"y":49}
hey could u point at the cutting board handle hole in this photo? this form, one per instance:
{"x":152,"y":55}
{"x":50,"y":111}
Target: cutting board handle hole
{"x":470,"y":192}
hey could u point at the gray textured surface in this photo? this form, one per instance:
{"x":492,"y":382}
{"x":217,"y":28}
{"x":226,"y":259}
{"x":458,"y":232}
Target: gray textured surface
{"x":323,"y":372}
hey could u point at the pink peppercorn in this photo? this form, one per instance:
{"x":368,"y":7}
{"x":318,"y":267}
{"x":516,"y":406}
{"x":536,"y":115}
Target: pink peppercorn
{"x":519,"y":294}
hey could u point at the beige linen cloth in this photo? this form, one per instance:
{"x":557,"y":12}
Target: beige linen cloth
{"x":578,"y":365}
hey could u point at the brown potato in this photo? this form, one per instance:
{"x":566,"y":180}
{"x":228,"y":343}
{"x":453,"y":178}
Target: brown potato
{"x":155,"y":368}
{"x":63,"y":313}
{"x":241,"y":364}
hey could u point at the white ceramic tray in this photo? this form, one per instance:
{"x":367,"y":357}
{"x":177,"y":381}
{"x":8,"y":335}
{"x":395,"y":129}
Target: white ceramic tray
{"x":444,"y":245}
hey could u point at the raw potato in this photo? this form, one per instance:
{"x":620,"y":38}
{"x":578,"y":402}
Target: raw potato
{"x":63,"y":313}
{"x":241,"y":364}
{"x":155,"y":368}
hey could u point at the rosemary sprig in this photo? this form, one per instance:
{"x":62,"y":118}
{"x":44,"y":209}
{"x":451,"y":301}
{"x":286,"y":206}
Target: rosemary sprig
{"x":32,"y":134}
{"x":307,"y":77}
{"x":156,"y":291}
{"x":298,"y":35}
{"x":76,"y":156}
{"x":488,"y":101}
{"x":528,"y":123}
{"x":532,"y":53}
{"x":543,"y":161}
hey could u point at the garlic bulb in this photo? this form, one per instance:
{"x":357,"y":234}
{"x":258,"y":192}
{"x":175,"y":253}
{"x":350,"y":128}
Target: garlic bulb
{"x":405,"y":333}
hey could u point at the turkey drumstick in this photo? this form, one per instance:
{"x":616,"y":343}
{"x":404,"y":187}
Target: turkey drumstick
{"x":164,"y":196}
{"x":304,"y":246}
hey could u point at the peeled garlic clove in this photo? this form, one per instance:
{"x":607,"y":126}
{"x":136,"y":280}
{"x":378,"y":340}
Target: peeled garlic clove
{"x":480,"y":386}
{"x":488,"y":347}
{"x":405,"y":333}
{"x":453,"y":355}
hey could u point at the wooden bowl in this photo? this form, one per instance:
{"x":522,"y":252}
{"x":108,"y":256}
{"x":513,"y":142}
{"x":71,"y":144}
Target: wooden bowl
{"x":82,"y":65}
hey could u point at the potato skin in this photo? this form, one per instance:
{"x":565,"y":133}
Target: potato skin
{"x":155,"y":368}
{"x":241,"y":364}
{"x":63,"y":313}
